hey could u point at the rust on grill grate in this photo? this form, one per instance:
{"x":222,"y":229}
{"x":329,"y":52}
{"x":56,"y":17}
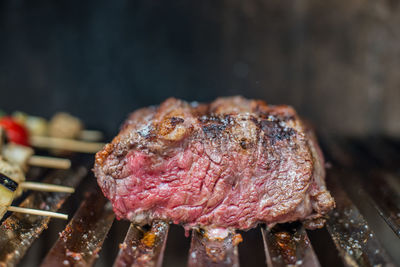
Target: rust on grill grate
{"x":82,"y":239}
{"x":143,"y":247}
{"x":208,"y":250}
{"x":288,"y":245}
{"x":19,"y":231}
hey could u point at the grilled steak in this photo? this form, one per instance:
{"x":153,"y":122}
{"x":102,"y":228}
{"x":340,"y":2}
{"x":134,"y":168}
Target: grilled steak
{"x":233,"y":163}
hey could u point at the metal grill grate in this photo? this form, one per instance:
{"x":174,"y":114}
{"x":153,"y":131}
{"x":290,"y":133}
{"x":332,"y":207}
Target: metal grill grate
{"x":365,"y":227}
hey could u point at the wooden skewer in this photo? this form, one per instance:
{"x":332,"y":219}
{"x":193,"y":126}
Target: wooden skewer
{"x":90,"y":135}
{"x":65,"y":144}
{"x":49,"y":162}
{"x":38,"y":212}
{"x":24,"y":156}
{"x":46,"y":187}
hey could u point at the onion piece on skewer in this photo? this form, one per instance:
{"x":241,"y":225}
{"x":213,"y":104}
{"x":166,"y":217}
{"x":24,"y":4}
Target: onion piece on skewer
{"x":24,"y":157}
{"x":16,"y":174}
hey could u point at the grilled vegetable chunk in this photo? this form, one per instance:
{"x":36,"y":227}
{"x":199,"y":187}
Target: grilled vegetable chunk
{"x":8,"y":188}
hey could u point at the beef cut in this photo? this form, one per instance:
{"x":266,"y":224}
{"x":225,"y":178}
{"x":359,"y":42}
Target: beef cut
{"x":232,"y":163}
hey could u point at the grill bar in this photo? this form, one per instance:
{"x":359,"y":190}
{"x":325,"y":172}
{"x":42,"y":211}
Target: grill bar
{"x":382,"y":184}
{"x":385,"y":200}
{"x":288,"y":245}
{"x":214,"y":251}
{"x":143,"y":247}
{"x":18,"y":232}
{"x":377,"y":186}
{"x":355,"y":241}
{"x":83,"y":237}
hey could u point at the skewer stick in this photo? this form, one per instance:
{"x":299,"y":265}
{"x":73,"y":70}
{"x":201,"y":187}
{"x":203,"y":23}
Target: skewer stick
{"x":46,"y":187}
{"x":65,"y":144}
{"x":90,"y":135}
{"x":49,"y":162}
{"x":38,"y":212}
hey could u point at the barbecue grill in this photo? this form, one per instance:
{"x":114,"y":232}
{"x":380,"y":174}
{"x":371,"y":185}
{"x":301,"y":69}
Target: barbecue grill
{"x":363,"y":230}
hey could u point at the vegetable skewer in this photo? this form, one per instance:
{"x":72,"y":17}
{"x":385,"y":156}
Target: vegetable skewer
{"x":8,"y":189}
{"x":17,"y":158}
{"x":62,"y":130}
{"x":23,"y":156}
{"x":61,"y":125}
{"x":15,"y":172}
{"x":64,"y":125}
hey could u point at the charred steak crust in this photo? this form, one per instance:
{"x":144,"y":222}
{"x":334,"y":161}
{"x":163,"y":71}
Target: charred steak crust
{"x":233,"y":163}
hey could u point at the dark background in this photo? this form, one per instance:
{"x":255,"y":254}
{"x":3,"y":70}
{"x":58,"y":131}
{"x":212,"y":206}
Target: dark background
{"x":337,"y":62}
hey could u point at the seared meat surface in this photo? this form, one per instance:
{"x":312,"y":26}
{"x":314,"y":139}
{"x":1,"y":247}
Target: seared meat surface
{"x":233,"y":163}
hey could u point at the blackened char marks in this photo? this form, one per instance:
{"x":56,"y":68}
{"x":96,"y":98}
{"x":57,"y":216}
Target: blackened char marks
{"x":213,"y":130}
{"x":176,"y":120}
{"x":276,"y":131}
{"x":244,"y":143}
{"x":214,"y":125}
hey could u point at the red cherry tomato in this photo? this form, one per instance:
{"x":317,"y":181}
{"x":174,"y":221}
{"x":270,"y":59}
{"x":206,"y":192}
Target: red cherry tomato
{"x":15,"y":132}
